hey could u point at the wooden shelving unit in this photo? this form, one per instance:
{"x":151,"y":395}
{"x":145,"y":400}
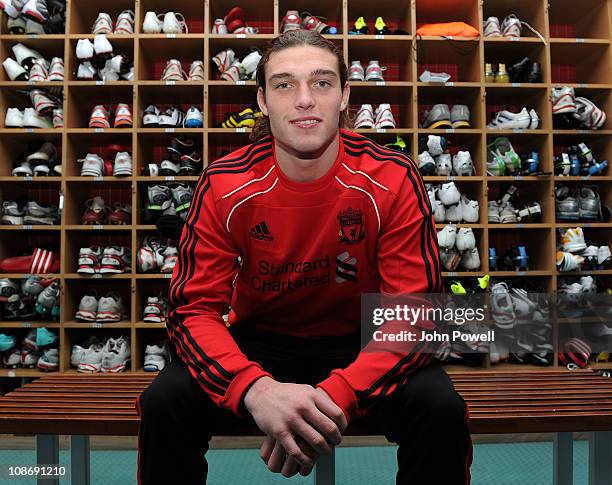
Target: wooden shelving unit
{"x":576,"y":52}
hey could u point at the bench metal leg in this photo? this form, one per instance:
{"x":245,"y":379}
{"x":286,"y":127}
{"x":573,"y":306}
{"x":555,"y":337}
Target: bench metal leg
{"x":325,"y":469}
{"x":600,"y":458}
{"x":79,"y":459}
{"x":563,"y":459}
{"x":47,"y":453}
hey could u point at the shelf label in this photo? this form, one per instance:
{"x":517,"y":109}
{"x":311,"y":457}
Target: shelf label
{"x":449,"y":37}
{"x":586,"y":225}
{"x":449,"y":83}
{"x":98,"y":227}
{"x":582,"y":85}
{"x":26,"y":325}
{"x":515,"y":39}
{"x":518,"y":130}
{"x":516,"y":85}
{"x":97,"y":275}
{"x":240,"y":36}
{"x":583,"y":131}
{"x":169,"y":178}
{"x":99,"y":178}
{"x":579,"y":40}
{"x":31,"y":81}
{"x":520,"y":226}
{"x":32,"y":36}
{"x":27,"y":227}
{"x":169,"y":130}
{"x":11,"y":373}
{"x":449,"y":130}
{"x":381,"y":130}
{"x":588,"y":272}
{"x":170,"y":83}
{"x":96,"y":325}
{"x":27,"y":275}
{"x":521,"y":273}
{"x":241,"y":130}
{"x":167,"y":276}
{"x":27,"y":178}
{"x":98,"y":130}
{"x":379,"y":37}
{"x":170,"y":36}
{"x":518,"y":177}
{"x":29,"y":130}
{"x":380,"y":83}
{"x":100,"y":83}
{"x":240,"y":83}
{"x":452,"y":273}
{"x":585,"y":177}
{"x":450,"y":177}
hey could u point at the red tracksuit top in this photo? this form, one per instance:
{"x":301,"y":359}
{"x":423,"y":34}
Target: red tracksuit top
{"x":308,"y":250}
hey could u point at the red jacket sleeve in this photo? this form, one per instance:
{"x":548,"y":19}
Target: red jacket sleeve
{"x":199,"y":295}
{"x":408,"y":263}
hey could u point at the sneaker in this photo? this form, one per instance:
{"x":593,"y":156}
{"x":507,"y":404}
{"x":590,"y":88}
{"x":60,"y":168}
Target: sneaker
{"x":150,"y":117}
{"x":179,"y":147}
{"x":604,"y":257}
{"x":89,"y":260}
{"x":196,"y":71}
{"x":16,"y":26}
{"x":125,"y":23}
{"x":502,"y":157}
{"x":11,"y":8}
{"x":243,"y":119}
{"x":219,"y":27}
{"x":384,"y":117}
{"x":492,"y":27}
{"x":37,"y":214}
{"x":450,"y":258}
{"x":447,"y":236}
{"x":470,"y":259}
{"x":427,"y":165}
{"x":194,"y":118}
{"x":95,"y":212}
{"x":110,"y":308}
{"x":438,"y":117}
{"x":460,"y":116}
{"x":123,"y":116}
{"x":155,"y":358}
{"x":434,"y":77}
{"x":356,"y":72}
{"x":102,"y":46}
{"x":12,"y":359}
{"x":56,"y":69}
{"x":173,"y":71}
{"x":462,"y":163}
{"x":169,"y":168}
{"x":88,"y":308}
{"x":449,"y":194}
{"x":453,"y":213}
{"x":572,"y":240}
{"x":84,"y":50}
{"x":152,"y":23}
{"x":171,"y":117}
{"x":86,"y":71}
{"x":563,"y":100}
{"x":589,"y":115}
{"x":15,"y":72}
{"x":190,"y":165}
{"x":26,"y":56}
{"x":590,"y":257}
{"x":360,"y":27}
{"x":291,"y":21}
{"x":506,"y":120}
{"x":88,"y":360}
{"x":234,"y":19}
{"x":589,"y":203}
{"x":465,"y":239}
{"x":374,"y":72}
{"x":233,"y":73}
{"x":469,"y":210}
{"x":43,"y":157}
{"x":174,"y":23}
{"x":365,"y":117}
{"x":31,"y":119}
{"x":103,"y":24}
{"x":159,"y":200}
{"x":12,"y":215}
{"x":170,"y":255}
{"x":116,"y":355}
{"x":250,"y":62}
{"x":310,"y":22}
{"x":43,"y":102}
{"x":7,"y":342}
{"x":122,"y":165}
{"x":155,"y":310}
{"x":116,"y":259}
{"x":566,"y":204}
{"x":443,"y":164}
{"x":511,"y":26}
{"x":35,"y":10}
{"x":182,"y":195}
{"x":507,"y":213}
{"x":532,"y":212}
{"x":29,"y":358}
{"x":121,"y":214}
{"x":13,"y":118}
{"x":100,"y":117}
{"x":92,"y":165}
{"x":224,"y":60}
{"x":439,"y":211}
{"x":569,"y":262}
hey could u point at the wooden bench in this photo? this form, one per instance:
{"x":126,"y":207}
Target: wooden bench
{"x":546,"y":401}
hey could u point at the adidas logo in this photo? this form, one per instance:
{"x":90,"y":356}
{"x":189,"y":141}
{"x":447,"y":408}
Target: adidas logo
{"x":261,"y":232}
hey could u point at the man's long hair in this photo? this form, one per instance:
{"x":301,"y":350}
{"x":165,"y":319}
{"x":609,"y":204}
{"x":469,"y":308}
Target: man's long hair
{"x":295,"y":38}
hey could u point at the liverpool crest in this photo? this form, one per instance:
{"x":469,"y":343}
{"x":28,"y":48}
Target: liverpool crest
{"x":351,"y":226}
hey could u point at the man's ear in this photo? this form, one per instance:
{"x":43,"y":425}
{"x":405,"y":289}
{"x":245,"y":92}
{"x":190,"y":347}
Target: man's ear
{"x":346,"y":92}
{"x":261,"y":101}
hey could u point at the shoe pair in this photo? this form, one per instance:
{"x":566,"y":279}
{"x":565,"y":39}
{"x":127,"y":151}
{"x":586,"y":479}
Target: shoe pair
{"x":169,"y":23}
{"x":164,"y":199}
{"x":156,"y":256}
{"x":440,"y":116}
{"x":381,"y":119}
{"x":93,"y":165}
{"x":40,"y":163}
{"x":153,"y":117}
{"x":523,"y":70}
{"x":155,"y":310}
{"x":360,"y":27}
{"x":507,"y":120}
{"x":30,"y":214}
{"x":31,"y":65}
{"x":109,"y":308}
{"x":452,"y":258}
{"x":174,"y":71}
{"x":294,"y":21}
{"x":97,"y":213}
{"x":449,"y":205}
{"x":462,"y":238}
{"x":156,"y":357}
{"x":442,"y":165}
{"x":41,"y":261}
{"x":100,"y":117}
{"x":107,"y":260}
{"x":232,"y":69}
{"x":372,"y":73}
{"x":124,"y":25}
{"x":585,"y":113}
{"x":112,"y":356}
{"x":47,"y":360}
{"x":510,"y":27}
{"x":233,"y":23}
{"x":583,"y":203}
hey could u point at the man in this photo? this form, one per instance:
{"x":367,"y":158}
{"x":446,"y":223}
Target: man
{"x":316,"y":216}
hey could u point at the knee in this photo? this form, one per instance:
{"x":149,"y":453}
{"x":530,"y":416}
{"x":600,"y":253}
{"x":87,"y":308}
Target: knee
{"x":167,"y":395}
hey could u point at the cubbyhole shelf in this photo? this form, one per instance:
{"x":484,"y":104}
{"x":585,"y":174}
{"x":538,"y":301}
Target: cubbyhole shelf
{"x":428,"y":96}
{"x":393,"y":58}
{"x":77,"y":336}
{"x":580,"y":63}
{"x":16,"y":147}
{"x":465,"y":142}
{"x":82,"y":99}
{"x":515,"y":100}
{"x":398,"y":97}
{"x":396,"y":16}
{"x":104,"y":145}
{"x":180,"y":96}
{"x":193,"y":12}
{"x":83,"y":14}
{"x":155,"y":53}
{"x":526,"y":10}
{"x":79,"y":193}
{"x":600,"y":96}
{"x":330,"y":11}
{"x":528,"y":191}
{"x":537,"y":242}
{"x":153,"y":149}
{"x":257,"y":13}
{"x":121,"y":45}
{"x":18,"y":243}
{"x":49,"y":48}
{"x":460,"y":60}
{"x":512,"y":52}
{"x":525,"y":144}
{"x":76,"y":239}
{"x":221,"y":144}
{"x":45,"y":193}
{"x":591,"y":20}
{"x":75,"y":290}
{"x":226,"y":99}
